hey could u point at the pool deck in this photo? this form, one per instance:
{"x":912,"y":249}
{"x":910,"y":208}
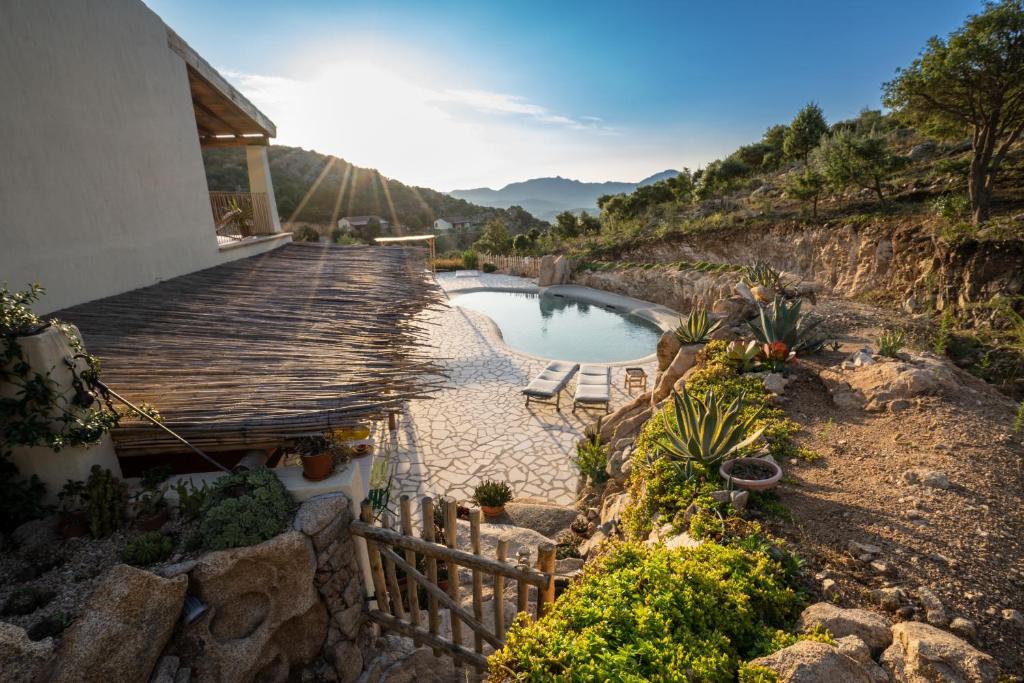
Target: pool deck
{"x":478,"y":426}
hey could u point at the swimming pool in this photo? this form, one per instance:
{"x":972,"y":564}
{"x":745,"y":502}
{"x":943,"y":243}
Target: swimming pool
{"x":561,"y":328}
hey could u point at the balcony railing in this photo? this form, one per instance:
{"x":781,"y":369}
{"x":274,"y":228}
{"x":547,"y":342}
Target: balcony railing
{"x":238,"y":215}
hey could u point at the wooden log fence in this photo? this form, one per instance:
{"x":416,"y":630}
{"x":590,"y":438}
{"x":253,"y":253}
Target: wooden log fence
{"x":524,"y":266}
{"x":397,"y":606}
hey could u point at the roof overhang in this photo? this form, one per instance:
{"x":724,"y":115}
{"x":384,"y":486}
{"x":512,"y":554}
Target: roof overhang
{"x":224,"y":117}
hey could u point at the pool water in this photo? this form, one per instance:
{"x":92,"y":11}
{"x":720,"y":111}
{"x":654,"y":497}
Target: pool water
{"x":561,"y":328}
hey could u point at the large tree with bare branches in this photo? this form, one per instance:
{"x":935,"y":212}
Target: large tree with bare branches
{"x":970,"y":83}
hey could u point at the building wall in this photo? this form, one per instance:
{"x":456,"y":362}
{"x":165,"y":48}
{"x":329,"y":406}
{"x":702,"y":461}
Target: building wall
{"x":102,"y":187}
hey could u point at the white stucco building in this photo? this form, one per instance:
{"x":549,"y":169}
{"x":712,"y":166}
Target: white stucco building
{"x":103,"y":116}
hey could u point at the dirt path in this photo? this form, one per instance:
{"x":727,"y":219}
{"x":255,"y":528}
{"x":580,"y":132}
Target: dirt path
{"x":963,"y":543}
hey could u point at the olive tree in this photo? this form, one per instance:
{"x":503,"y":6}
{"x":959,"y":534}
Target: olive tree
{"x":971,"y":83}
{"x":847,"y":158}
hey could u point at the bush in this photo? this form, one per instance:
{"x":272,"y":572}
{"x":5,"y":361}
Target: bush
{"x":305,"y":233}
{"x":191,"y":498}
{"x":245,"y":509}
{"x":651,"y":614}
{"x":952,"y":207}
{"x":891,"y":342}
{"x":592,"y":457}
{"x":107,"y":501}
{"x":470,"y":261}
{"x":492,"y":494}
{"x":26,"y":600}
{"x":148,"y":548}
{"x":443,"y":265}
{"x":489,"y":268}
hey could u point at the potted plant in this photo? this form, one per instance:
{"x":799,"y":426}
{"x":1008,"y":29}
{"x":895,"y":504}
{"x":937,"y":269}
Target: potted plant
{"x":317,"y":457}
{"x":751,"y":474}
{"x":151,"y":511}
{"x":72,"y":520}
{"x":491,"y":496}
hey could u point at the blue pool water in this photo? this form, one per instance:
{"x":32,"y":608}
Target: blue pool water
{"x":561,"y":328}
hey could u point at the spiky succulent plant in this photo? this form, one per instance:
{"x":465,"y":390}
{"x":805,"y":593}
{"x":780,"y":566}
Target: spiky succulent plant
{"x":742,"y":355}
{"x":697,"y":327}
{"x":706,"y":429}
{"x":785,"y":324}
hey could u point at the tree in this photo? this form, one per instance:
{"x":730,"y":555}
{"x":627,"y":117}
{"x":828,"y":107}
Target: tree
{"x":970,"y":83}
{"x":521,"y":243}
{"x":495,"y":238}
{"x":372,"y":229}
{"x":774,"y":138}
{"x":804,"y":132}
{"x":806,"y":186}
{"x":719,"y":177}
{"x":566,"y":224}
{"x":589,"y":225}
{"x":847,"y":158}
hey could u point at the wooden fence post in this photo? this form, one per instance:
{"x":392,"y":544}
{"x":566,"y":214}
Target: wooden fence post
{"x":376,"y":569}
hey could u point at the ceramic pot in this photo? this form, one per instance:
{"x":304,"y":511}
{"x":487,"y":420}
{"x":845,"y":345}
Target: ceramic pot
{"x":317,"y":467}
{"x":491,"y":511}
{"x":751,"y":484}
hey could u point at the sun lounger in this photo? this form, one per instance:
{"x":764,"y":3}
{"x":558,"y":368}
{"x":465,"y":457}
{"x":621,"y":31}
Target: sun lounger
{"x":550,"y":382}
{"x":593,"y":387}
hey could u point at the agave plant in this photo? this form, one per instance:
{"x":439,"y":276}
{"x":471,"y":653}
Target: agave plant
{"x":706,"y":429}
{"x":760,"y":273}
{"x":785,"y":324}
{"x":742,"y":355}
{"x":696,"y":328}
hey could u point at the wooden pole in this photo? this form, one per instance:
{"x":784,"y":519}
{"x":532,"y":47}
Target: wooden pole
{"x":376,"y":569}
{"x":523,"y":588}
{"x":546,"y":595}
{"x":451,"y":536}
{"x":478,"y":577}
{"x":412,"y":590}
{"x":392,"y":577}
{"x":499,"y":592}
{"x":428,"y":535}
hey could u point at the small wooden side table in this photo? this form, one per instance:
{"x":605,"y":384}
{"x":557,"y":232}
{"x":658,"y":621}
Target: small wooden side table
{"x":635,"y":378}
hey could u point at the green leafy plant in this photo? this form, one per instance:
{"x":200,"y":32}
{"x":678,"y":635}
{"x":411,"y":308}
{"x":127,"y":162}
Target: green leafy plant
{"x":489,"y":268}
{"x":26,"y":600}
{"x":592,"y":456}
{"x":697,"y":327}
{"x":706,"y":429}
{"x":244,"y":509}
{"x":21,"y":499}
{"x":73,"y":496}
{"x":952,"y":207}
{"x":191,"y":498}
{"x":148,"y":503}
{"x":107,"y":502}
{"x":775,"y":356}
{"x":891,"y":342}
{"x":154,"y":476}
{"x":760,"y":273}
{"x":944,"y":333}
{"x":784,"y":323}
{"x":470,"y":260}
{"x":742,"y":355}
{"x":148,"y":548}
{"x":492,"y":493}
{"x":16,"y":316}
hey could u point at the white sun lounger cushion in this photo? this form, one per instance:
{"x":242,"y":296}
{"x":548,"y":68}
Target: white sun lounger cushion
{"x":594,"y":384}
{"x":551,"y":380}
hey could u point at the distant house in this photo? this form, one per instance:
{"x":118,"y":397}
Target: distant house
{"x":453,"y":223}
{"x":357,"y":224}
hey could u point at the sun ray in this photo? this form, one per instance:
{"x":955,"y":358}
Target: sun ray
{"x":311,"y":190}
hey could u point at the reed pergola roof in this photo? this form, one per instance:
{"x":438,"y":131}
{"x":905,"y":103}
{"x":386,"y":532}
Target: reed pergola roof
{"x":299,"y":340}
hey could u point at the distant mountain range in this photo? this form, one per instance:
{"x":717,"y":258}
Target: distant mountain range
{"x":547,"y":197}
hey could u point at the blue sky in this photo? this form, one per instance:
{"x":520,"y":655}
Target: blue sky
{"x":464,"y":94}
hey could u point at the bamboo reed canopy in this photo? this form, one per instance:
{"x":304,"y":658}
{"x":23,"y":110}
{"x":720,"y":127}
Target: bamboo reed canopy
{"x":299,"y":340}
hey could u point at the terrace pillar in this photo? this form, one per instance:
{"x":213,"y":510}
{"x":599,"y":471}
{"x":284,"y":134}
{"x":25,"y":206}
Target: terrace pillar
{"x":259,"y":179}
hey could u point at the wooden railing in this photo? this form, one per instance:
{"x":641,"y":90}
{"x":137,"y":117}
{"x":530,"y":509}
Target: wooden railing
{"x":525,"y":266}
{"x":237,"y":215}
{"x":398,"y":610}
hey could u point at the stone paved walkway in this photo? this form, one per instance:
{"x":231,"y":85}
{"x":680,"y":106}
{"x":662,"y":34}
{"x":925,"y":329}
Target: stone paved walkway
{"x":478,"y":426}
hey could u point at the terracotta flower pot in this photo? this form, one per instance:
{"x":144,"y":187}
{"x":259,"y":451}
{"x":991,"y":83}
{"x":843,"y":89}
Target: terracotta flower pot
{"x":317,"y":467}
{"x":752,"y":484}
{"x":362,"y":450}
{"x":153,"y":522}
{"x":73,"y":524}
{"x":491,"y":511}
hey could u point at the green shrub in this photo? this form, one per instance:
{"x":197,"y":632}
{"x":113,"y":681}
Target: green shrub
{"x":245,"y":509}
{"x":891,"y":342}
{"x":148,"y":548}
{"x":592,"y":457}
{"x":491,"y":493}
{"x":305,"y":233}
{"x":757,"y":674}
{"x":944,"y":334}
{"x":696,"y":328}
{"x":786,"y":324}
{"x":951,"y":207}
{"x":107,"y":500}
{"x":651,"y":614}
{"x":191,"y":498}
{"x":26,"y":600}
{"x":443,"y":265}
{"x":21,"y":500}
{"x":470,"y":261}
{"x":489,"y":268}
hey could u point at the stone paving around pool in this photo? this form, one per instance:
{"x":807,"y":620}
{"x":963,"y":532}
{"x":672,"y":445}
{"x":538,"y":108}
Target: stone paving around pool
{"x":478,"y":427}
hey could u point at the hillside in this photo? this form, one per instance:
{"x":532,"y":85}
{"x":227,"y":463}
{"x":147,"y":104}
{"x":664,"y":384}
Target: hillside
{"x":546,"y":197}
{"x":336,"y":188}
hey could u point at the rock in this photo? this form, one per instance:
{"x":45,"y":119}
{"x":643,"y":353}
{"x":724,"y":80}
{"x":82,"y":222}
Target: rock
{"x":423,"y":667}
{"x":965,"y":628}
{"x":868,"y":626}
{"x":668,"y":347}
{"x":518,"y":537}
{"x":809,"y":661}
{"x":1014,"y":617}
{"x":876,"y":385}
{"x":613,"y":507}
{"x":124,"y":626}
{"x":742,"y":290}
{"x":922,"y":151}
{"x":933,"y":609}
{"x":544,"y":518}
{"x":734,"y":310}
{"x":926,"y":477}
{"x":857,"y":549}
{"x":775,"y":383}
{"x":265,"y":615}
{"x":346,"y":659}
{"x":37,"y":533}
{"x":588,"y":546}
{"x":888,"y":599}
{"x":857,"y":650}
{"x":882,"y":568}
{"x":739,"y":499}
{"x":683,"y":540}
{"x":21,"y":660}
{"x":316,"y":513}
{"x":858,"y":359}
{"x":563,"y":270}
{"x":546,"y":272}
{"x":924,"y":654}
{"x":166,"y":670}
{"x":762,"y":294}
{"x":685,"y":359}
{"x":829,"y":588}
